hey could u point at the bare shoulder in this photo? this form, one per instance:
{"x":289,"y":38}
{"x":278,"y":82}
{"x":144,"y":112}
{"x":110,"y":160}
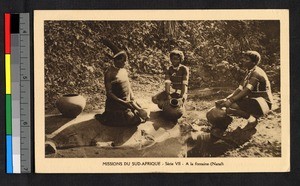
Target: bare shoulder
{"x":259,"y":71}
{"x":108,"y":72}
{"x":185,"y":68}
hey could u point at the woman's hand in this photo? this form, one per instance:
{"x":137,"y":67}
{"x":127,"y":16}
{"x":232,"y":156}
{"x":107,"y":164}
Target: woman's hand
{"x":219,"y":103}
{"x":169,"y":97}
{"x":226,"y":104}
{"x":128,"y":104}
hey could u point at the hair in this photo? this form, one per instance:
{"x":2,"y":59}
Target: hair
{"x":120,"y":55}
{"x":177,"y":52}
{"x":115,"y":50}
{"x":254,"y":56}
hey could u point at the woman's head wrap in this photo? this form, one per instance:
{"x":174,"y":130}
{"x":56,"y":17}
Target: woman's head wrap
{"x":116,"y":51}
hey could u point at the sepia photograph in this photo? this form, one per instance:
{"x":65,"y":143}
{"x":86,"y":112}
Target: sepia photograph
{"x":162,"y":91}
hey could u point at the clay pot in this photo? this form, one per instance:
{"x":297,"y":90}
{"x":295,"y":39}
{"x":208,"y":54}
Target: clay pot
{"x":218,"y":118}
{"x":176,"y":102}
{"x":174,"y":109}
{"x":71,"y":105}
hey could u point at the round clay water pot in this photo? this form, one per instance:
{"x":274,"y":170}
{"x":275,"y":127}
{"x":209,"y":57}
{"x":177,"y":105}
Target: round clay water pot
{"x":174,"y":109}
{"x":218,"y":118}
{"x":71,"y":105}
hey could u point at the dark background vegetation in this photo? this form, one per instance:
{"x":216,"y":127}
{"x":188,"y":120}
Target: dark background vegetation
{"x":75,"y":59}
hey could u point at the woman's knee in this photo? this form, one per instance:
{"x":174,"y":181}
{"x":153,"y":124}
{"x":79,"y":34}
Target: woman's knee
{"x":234,"y":106}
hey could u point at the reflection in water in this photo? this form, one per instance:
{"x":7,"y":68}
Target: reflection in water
{"x":86,"y":137}
{"x":216,"y":143}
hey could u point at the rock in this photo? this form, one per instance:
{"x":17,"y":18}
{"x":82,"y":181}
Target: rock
{"x":190,"y":107}
{"x":50,"y":147}
{"x":105,"y":144}
{"x":256,"y":153}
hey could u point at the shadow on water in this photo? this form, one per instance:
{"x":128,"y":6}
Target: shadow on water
{"x":86,"y":133}
{"x":155,"y":138}
{"x":160,"y":122}
{"x":211,"y":146}
{"x":54,"y":122}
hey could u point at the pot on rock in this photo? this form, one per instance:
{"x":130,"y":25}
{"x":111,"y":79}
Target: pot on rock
{"x":71,"y":105}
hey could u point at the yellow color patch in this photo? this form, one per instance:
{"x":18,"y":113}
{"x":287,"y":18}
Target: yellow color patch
{"x":7,"y":74}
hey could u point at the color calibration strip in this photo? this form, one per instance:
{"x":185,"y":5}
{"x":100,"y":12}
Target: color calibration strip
{"x":8,"y":109}
{"x":17,"y":74}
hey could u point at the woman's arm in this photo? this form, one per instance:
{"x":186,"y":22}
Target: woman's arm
{"x":183,"y":90}
{"x":185,"y":80}
{"x":167,"y":83}
{"x":235,"y":92}
{"x":253,"y":81}
{"x":131,"y":92}
{"x":242,"y":93}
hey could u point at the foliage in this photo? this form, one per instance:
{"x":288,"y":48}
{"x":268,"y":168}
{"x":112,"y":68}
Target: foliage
{"x":75,"y":59}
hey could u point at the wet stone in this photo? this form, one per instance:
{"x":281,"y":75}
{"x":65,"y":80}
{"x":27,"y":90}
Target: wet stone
{"x":50,"y":147}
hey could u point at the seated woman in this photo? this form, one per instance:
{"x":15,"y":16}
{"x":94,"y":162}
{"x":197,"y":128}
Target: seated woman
{"x":253,"y":98}
{"x":120,"y":107}
{"x":176,"y":77}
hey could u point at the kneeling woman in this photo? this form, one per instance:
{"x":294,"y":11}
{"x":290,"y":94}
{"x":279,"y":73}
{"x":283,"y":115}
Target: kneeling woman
{"x":120,"y":108}
{"x":253,"y":98}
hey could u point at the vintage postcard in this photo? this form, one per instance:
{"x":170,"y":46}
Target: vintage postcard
{"x":177,"y":91}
